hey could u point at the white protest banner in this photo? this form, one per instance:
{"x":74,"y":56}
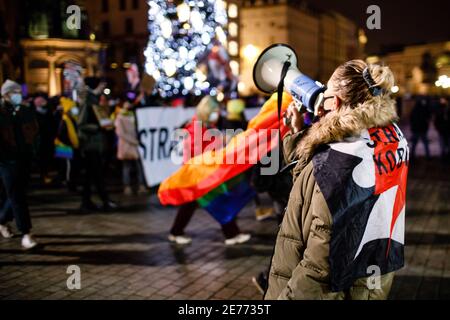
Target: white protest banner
{"x":155,"y":127}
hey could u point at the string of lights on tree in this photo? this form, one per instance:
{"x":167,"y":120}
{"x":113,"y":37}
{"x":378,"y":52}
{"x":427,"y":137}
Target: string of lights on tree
{"x":181,"y":34}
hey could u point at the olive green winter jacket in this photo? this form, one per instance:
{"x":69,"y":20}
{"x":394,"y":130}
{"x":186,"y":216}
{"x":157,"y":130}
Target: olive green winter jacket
{"x":300,"y":267}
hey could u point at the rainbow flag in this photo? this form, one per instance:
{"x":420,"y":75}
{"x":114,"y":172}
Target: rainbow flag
{"x":225,"y":201}
{"x":63,"y":151}
{"x":205,"y":172}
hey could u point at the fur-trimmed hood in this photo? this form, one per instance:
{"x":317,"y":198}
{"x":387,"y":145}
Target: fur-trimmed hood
{"x":379,"y":111}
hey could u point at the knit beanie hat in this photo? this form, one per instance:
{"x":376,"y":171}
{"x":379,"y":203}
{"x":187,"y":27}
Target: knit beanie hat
{"x":9,"y":86}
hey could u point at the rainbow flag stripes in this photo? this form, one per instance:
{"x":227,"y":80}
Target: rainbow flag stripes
{"x":225,"y":201}
{"x":201,"y":175}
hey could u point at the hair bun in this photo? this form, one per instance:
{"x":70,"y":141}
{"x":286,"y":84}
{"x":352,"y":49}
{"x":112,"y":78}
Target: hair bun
{"x":382,"y":76}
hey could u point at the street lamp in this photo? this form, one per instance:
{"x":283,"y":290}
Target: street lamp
{"x":443,"y":81}
{"x":242,"y":88}
{"x":250,"y":52}
{"x":362,"y":38}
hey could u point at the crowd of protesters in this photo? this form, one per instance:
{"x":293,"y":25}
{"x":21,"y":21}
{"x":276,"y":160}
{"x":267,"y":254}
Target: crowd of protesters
{"x":77,"y":140}
{"x":82,"y":140}
{"x":428,"y":110}
{"x":76,"y":144}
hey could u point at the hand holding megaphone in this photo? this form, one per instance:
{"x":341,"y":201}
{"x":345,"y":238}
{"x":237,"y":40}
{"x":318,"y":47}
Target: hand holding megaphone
{"x":277,"y":64}
{"x":294,"y":117}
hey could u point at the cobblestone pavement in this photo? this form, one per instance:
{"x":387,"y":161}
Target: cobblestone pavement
{"x":125,"y":255}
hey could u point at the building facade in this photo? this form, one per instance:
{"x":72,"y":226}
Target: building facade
{"x":122,"y":25}
{"x":418,"y":68}
{"x":322,"y":40}
{"x":36,"y":42}
{"x":44,"y":61}
{"x":10,"y":50}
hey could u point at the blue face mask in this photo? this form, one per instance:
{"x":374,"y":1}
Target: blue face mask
{"x":16,"y":99}
{"x":75,"y":111}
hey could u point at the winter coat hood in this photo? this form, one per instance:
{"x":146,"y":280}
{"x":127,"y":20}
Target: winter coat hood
{"x":348,"y":121}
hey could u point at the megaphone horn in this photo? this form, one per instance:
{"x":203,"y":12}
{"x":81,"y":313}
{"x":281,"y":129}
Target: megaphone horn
{"x":267,"y":74}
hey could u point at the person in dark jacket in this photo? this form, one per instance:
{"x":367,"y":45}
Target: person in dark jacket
{"x":18,"y":135}
{"x":442,"y":125}
{"x":420,"y":122}
{"x":92,"y":138}
{"x":47,"y":132}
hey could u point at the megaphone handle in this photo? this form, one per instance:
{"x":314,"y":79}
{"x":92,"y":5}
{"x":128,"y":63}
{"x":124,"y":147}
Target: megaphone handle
{"x":280,"y":90}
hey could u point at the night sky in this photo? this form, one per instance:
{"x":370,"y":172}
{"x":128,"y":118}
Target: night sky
{"x":403,"y":22}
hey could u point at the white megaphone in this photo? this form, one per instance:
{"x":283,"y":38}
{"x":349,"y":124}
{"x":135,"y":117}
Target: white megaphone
{"x":267,"y":74}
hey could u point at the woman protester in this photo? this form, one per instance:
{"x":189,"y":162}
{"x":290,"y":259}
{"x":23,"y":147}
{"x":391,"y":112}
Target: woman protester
{"x":343,"y":231}
{"x":19,"y":132}
{"x":127,"y":149}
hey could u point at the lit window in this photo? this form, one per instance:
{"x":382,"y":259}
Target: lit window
{"x":233,"y":48}
{"x":233,"y":29}
{"x":250,"y":52}
{"x":232,"y":10}
{"x":234,"y":65}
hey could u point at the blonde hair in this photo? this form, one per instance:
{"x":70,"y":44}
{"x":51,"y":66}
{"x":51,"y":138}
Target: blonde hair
{"x":354,"y":89}
{"x":361,"y":108}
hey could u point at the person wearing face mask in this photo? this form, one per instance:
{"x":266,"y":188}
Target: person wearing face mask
{"x":18,"y":139}
{"x":93,"y":147}
{"x":207,"y":116}
{"x":345,"y":212}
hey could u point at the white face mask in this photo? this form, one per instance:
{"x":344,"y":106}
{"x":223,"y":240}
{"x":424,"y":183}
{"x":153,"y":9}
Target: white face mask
{"x":214,"y":116}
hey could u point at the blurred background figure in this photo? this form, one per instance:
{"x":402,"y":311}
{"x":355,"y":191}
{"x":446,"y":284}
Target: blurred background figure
{"x":18,"y":137}
{"x":92,"y":128}
{"x":46,"y":122}
{"x":218,"y":71}
{"x":442,"y":125}
{"x":235,"y":120}
{"x":208,"y":115}
{"x":127,"y":149}
{"x":67,"y":143}
{"x":420,"y":121}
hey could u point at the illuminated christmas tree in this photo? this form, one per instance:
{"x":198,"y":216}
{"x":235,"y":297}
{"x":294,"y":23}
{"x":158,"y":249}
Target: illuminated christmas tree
{"x":183,"y":34}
